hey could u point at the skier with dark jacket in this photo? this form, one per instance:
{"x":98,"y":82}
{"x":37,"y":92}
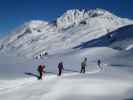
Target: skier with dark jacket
{"x":99,"y":64}
{"x":60,"y":68}
{"x":41,"y":71}
{"x":83,"y":65}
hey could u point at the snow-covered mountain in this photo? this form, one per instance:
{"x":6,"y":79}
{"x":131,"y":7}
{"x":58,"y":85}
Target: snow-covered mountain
{"x":72,"y":29}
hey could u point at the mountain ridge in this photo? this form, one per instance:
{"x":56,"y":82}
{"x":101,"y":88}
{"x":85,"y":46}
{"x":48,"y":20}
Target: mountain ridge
{"x":69,"y":30}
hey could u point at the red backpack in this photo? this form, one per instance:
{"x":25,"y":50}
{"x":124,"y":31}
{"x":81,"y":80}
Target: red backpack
{"x":41,"y":68}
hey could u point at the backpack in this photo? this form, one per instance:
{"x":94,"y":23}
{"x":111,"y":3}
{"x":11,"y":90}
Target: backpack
{"x":83,"y":64}
{"x":41,"y":67}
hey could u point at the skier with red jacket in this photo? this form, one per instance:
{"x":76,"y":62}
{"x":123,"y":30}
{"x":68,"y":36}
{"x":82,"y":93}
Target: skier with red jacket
{"x":41,"y":71}
{"x":60,"y":68}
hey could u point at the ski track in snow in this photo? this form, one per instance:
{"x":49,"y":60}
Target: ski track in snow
{"x":67,"y":87}
{"x":110,"y":83}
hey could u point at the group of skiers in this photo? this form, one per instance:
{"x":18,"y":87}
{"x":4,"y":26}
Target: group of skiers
{"x":41,"y":68}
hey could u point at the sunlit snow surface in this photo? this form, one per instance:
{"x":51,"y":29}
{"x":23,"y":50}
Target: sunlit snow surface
{"x":110,"y":83}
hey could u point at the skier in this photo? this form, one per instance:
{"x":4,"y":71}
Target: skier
{"x":41,"y":71}
{"x":99,"y":63}
{"x":83,"y":65}
{"x":60,"y":68}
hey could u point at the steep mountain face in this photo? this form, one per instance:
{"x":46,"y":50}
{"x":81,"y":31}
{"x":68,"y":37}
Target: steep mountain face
{"x":72,"y":17}
{"x":76,"y":17}
{"x":73,"y":28}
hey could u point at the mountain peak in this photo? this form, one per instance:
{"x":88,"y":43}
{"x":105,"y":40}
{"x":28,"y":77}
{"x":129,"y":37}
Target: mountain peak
{"x":90,"y":12}
{"x":74,"y":16}
{"x":99,"y":12}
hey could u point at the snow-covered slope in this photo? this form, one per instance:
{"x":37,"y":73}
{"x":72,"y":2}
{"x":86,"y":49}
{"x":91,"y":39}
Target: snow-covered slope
{"x":110,"y":83}
{"x":120,"y":39}
{"x":71,"y":29}
{"x":70,"y":87}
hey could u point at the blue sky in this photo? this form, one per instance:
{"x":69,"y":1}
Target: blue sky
{"x":15,"y":12}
